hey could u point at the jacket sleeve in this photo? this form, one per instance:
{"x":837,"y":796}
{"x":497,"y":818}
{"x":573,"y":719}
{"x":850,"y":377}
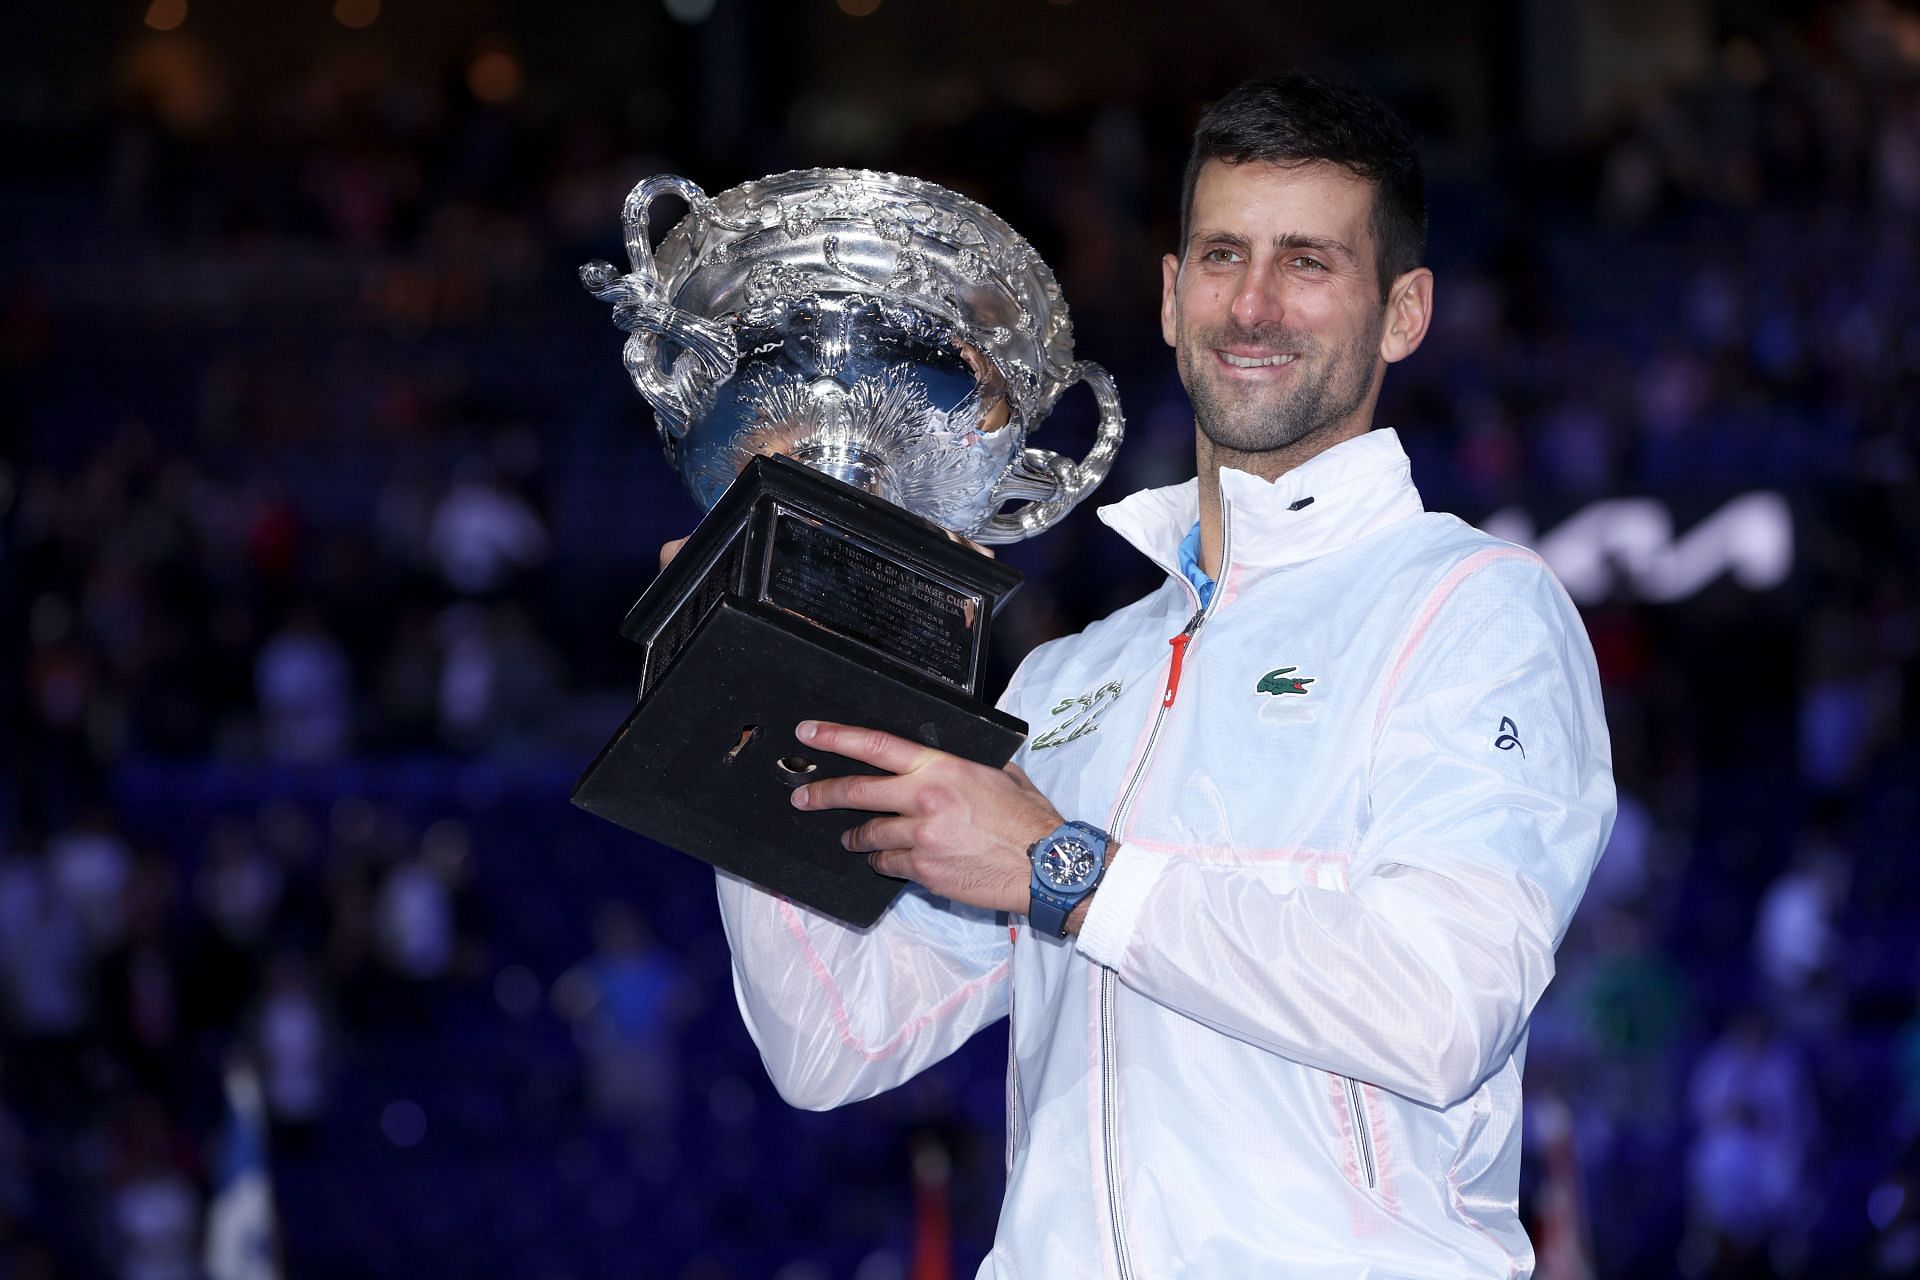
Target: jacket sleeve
{"x":840,"y":1014}
{"x":1420,"y":973}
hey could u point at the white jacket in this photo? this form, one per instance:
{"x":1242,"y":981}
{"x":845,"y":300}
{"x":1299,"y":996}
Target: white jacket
{"x":1288,"y":1040}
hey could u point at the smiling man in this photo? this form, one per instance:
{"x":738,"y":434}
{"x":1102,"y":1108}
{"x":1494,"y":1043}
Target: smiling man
{"x":1282,"y":894}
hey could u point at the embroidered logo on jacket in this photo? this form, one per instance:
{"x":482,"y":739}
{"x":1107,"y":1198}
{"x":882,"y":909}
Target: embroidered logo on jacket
{"x":1082,"y":715}
{"x":1510,"y":737}
{"x":1279,"y":681}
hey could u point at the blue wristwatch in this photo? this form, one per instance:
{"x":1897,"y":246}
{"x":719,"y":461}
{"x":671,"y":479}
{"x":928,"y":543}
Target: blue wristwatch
{"x":1067,"y":864}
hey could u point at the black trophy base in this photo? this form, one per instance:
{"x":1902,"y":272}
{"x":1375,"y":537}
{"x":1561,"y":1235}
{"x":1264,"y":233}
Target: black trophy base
{"x":707,"y":761}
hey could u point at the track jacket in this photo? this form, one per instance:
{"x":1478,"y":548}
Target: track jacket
{"x":1355,"y":807}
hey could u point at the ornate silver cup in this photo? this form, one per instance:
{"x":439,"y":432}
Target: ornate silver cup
{"x":886,"y":331}
{"x":844,"y":368}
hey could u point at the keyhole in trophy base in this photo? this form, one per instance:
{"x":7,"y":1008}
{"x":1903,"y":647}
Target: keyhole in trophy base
{"x":749,"y":734}
{"x":794,"y":770}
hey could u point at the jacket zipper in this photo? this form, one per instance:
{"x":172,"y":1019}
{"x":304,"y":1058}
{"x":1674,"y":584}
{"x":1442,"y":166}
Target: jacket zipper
{"x":1013,"y":1070}
{"x":1362,"y":1135}
{"x":1108,"y":1085}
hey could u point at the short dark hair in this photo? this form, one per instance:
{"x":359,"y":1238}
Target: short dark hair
{"x":1298,"y":119}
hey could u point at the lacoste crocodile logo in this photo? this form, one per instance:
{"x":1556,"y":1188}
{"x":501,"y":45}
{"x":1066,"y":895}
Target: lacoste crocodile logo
{"x":1279,"y":681}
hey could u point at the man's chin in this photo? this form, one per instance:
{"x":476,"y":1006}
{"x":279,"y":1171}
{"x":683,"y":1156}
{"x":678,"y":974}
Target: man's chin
{"x":1262,"y":437}
{"x":1231,"y":422}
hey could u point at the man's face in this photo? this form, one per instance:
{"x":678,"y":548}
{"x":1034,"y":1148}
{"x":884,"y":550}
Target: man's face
{"x":1274,"y":308}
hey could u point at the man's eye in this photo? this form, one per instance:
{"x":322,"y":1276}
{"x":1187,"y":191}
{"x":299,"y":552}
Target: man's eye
{"x":1221,"y":254}
{"x":1307,"y":264}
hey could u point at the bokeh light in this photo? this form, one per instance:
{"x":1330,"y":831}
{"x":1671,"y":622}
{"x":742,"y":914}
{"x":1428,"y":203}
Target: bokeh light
{"x":357,"y":14}
{"x":166,"y":15}
{"x":691,"y":12}
{"x":404,"y":1123}
{"x":495,"y":77}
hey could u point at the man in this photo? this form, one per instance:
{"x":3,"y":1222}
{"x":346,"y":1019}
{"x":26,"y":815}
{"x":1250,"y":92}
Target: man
{"x":1343,"y":778}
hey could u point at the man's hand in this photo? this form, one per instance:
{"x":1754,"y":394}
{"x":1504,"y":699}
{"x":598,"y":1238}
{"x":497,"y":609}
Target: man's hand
{"x":959,"y":828}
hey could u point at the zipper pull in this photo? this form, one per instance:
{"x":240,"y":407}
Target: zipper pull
{"x":1180,"y":643}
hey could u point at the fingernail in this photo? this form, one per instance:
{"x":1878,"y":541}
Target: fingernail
{"x":799,"y":797}
{"x":805,"y":730}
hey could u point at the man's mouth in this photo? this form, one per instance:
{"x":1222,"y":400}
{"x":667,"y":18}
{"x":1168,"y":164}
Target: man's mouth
{"x":1256,"y":362}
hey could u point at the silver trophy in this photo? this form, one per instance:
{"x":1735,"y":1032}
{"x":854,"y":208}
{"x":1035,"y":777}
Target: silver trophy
{"x":844,"y":368}
{"x":883,"y":330}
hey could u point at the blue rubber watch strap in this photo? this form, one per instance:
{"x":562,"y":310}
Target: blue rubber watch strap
{"x":1049,"y":914}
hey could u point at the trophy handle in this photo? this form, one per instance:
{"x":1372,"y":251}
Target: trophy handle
{"x":635,"y":215}
{"x":1056,"y":484}
{"x":682,"y":390}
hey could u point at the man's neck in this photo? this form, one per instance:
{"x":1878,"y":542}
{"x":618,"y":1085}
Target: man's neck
{"x":1269,"y":465}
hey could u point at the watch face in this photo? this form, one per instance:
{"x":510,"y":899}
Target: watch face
{"x":1067,"y":863}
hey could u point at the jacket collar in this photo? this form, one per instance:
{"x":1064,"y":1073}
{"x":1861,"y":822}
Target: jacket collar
{"x":1357,"y":487}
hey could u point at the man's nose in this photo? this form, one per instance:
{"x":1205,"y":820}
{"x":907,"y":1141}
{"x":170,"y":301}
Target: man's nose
{"x":1260,"y":299}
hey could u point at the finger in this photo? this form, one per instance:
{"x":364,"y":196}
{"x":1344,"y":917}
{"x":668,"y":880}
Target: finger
{"x":893,"y":863}
{"x":885,"y":794}
{"x":668,"y":550}
{"x":888,"y":832}
{"x":880,"y":749}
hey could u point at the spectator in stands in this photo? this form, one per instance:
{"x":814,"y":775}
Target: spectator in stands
{"x":419,"y":910}
{"x":237,"y":892}
{"x":292,"y":1042}
{"x":140,"y":994}
{"x":483,"y":534}
{"x":1751,"y":1103}
{"x":1796,"y":947}
{"x":45,"y":976}
{"x":304,"y":690}
{"x":528,"y":683}
{"x":91,"y":865}
{"x":155,"y":1205}
{"x":240,"y":885}
{"x":626,"y":1002}
{"x":469,"y":675}
{"x":1845,"y":702}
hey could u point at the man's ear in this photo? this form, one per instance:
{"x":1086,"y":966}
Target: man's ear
{"x":1169,"y":312}
{"x":1409,"y":312}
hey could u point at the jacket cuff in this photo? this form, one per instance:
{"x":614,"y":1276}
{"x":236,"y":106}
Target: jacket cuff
{"x":1116,"y":905}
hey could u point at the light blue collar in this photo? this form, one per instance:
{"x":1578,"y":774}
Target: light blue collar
{"x":1190,"y":565}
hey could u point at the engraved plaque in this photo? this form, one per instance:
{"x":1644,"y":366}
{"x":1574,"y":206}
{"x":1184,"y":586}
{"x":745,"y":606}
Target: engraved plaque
{"x":824,"y":574}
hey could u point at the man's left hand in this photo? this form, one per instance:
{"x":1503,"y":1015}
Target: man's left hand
{"x":959,"y":828}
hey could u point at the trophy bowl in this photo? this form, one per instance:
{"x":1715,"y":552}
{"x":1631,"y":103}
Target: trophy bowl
{"x":844,"y":368}
{"x":881,"y":329}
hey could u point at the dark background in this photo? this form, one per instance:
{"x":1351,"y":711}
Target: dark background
{"x":323,"y":494}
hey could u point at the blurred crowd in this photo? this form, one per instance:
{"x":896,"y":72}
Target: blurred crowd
{"x":172,"y":613}
{"x":323,"y":495}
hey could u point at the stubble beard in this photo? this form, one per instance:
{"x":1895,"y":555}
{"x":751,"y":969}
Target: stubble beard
{"x":1330,"y":391}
